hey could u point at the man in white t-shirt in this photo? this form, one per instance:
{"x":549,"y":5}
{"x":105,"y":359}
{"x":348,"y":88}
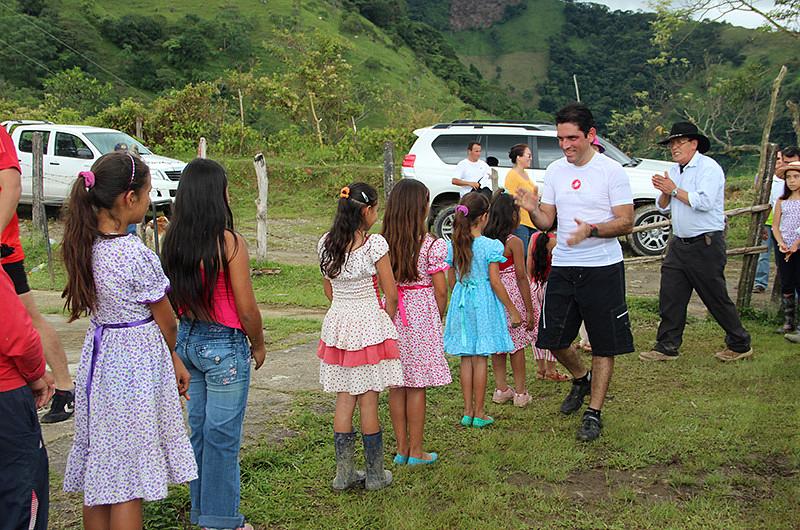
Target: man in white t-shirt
{"x":590,"y":195}
{"x":472,"y":173}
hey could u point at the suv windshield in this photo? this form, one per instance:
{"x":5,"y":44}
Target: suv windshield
{"x":106,"y":142}
{"x":614,"y":152}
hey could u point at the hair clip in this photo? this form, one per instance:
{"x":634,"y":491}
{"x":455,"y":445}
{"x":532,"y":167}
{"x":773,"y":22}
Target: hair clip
{"x":366,"y":199}
{"x":133,"y":170}
{"x":344,"y":193}
{"x":88,"y":179}
{"x":462,"y":208}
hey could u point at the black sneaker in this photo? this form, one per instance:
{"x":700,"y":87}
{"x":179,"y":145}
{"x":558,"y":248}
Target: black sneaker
{"x":61,"y":408}
{"x":574,"y":400}
{"x":590,"y":428}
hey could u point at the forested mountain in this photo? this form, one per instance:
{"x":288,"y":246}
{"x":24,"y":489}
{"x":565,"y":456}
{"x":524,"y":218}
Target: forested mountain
{"x":325,"y":70}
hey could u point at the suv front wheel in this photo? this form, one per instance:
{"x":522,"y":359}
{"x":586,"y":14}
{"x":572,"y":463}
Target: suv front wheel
{"x":443,"y":222}
{"x":649,"y":242}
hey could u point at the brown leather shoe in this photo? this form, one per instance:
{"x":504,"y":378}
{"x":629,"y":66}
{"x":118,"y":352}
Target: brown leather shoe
{"x":727,"y":355}
{"x":654,"y":355}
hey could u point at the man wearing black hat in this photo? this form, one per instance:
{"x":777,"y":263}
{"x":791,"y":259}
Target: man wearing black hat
{"x":694,"y":192}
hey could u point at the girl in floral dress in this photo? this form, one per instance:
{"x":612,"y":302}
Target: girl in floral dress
{"x":504,"y":219}
{"x":130,"y":441}
{"x":418,"y":263}
{"x":358,"y":344}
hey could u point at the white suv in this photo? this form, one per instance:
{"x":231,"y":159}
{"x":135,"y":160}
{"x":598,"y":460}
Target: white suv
{"x":438,"y":148}
{"x":69,"y":149}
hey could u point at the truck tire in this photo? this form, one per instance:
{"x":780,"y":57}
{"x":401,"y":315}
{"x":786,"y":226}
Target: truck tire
{"x":650,"y":242}
{"x":443,"y":222}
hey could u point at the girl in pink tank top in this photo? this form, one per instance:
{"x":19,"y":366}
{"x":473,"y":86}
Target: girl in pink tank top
{"x":220,"y":332}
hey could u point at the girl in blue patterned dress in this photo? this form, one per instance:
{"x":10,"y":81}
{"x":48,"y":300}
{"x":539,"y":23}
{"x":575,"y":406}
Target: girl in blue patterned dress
{"x":130,"y":440}
{"x":476,"y":325}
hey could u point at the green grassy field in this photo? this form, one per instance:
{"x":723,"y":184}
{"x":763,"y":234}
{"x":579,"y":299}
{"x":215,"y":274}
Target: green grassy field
{"x":690,"y":444}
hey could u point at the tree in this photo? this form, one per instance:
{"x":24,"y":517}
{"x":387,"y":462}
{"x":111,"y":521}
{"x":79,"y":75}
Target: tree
{"x":316,"y":86}
{"x":75,"y":89}
{"x":784,"y":15}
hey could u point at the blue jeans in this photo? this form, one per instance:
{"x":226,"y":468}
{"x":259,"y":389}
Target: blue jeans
{"x":218,"y":360}
{"x":762,"y":268}
{"x":524,"y":233}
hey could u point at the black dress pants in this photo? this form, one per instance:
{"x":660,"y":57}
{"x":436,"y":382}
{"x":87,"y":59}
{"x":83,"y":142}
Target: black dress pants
{"x":696,"y":264}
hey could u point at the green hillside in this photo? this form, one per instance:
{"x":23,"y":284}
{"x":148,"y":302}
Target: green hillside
{"x":325,"y":72}
{"x":376,"y":58}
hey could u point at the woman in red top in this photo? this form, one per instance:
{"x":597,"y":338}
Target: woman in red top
{"x":12,"y":260}
{"x":24,"y":387}
{"x":220,"y":332}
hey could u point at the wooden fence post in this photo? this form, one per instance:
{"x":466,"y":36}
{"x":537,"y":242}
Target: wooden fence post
{"x":773,"y":102}
{"x":39,"y":213}
{"x":262,"y":176}
{"x":140,"y":128}
{"x":37,"y":185}
{"x":202,"y":148}
{"x":750,"y":261}
{"x":388,"y":168}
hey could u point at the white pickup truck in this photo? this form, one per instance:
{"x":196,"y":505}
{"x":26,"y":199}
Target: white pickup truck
{"x":69,"y":149}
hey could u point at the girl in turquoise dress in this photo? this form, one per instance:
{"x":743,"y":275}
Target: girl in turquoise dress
{"x":476,"y":325}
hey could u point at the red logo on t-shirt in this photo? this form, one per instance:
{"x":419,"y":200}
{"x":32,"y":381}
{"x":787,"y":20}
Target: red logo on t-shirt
{"x":576,"y":184}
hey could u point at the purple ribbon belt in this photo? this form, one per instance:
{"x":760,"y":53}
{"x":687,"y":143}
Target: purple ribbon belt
{"x":98,"y":336}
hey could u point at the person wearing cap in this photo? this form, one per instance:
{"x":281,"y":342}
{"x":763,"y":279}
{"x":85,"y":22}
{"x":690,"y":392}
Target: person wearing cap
{"x":693,"y":190}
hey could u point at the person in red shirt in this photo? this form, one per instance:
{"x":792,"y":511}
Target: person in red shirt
{"x":12,"y":259}
{"x":24,"y":386}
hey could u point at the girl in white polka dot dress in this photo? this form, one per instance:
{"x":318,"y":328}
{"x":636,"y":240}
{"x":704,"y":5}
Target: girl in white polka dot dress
{"x":358,"y":345}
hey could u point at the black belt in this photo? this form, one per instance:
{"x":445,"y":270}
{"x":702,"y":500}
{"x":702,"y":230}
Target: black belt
{"x":693,"y":239}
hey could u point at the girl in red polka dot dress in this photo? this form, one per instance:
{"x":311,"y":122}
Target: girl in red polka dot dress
{"x":358,"y":345}
{"x":418,"y":262}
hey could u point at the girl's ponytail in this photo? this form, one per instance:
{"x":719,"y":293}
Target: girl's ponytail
{"x":540,"y":255}
{"x":80,"y":229}
{"x":469,"y":209}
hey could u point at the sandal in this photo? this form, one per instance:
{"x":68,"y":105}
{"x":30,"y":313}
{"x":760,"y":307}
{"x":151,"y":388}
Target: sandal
{"x":540,"y":374}
{"x":556,"y":376}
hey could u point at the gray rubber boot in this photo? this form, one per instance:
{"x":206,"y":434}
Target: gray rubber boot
{"x":377,"y":477}
{"x":346,"y":474}
{"x":789,"y":306}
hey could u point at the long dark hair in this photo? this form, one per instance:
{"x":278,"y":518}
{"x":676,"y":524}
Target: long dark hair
{"x":343,"y":231}
{"x":193,"y":251}
{"x":503,"y":216}
{"x":114,"y":174}
{"x":462,"y":238}
{"x":540,"y":255}
{"x":404,"y":227}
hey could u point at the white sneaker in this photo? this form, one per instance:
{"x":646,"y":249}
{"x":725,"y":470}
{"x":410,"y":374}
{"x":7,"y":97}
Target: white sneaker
{"x":503,"y":396}
{"x":522,"y":400}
